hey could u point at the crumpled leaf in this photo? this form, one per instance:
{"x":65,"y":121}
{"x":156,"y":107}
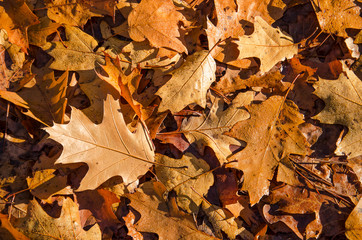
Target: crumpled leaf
{"x":157,"y":21}
{"x":336,"y":16}
{"x":208,"y":130}
{"x":70,"y":12}
{"x":15,"y":18}
{"x":189,"y":83}
{"x":39,"y":225}
{"x":343,"y":106}
{"x":77,"y":54}
{"x":222,"y":221}
{"x":109,"y":148}
{"x":39,"y":32}
{"x":268,"y":44}
{"x":271,"y":134}
{"x":189,"y":183}
{"x":45,"y":99}
{"x":149,"y":203}
{"x":288,"y":200}
{"x":354,"y":223}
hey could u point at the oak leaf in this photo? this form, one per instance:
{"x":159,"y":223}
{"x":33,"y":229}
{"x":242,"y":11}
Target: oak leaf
{"x":336,"y":16}
{"x":208,"y":130}
{"x":185,"y":181}
{"x":70,"y":12}
{"x":271,"y":134}
{"x":157,"y":21}
{"x":37,"y":224}
{"x":75,"y":54}
{"x":109,"y":149}
{"x":268,"y":44}
{"x":343,"y":106}
{"x":43,"y":98}
{"x":15,"y":18}
{"x":39,"y":32}
{"x":189,"y":83}
{"x":155,"y":218}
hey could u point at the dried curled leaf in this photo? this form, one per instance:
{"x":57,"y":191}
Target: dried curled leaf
{"x":109,"y":148}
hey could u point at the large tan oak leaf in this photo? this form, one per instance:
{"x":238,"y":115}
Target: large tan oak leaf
{"x":343,"y":99}
{"x":109,"y":149}
{"x":268,"y":44}
{"x":157,"y":21}
{"x":207,"y":130}
{"x":189,"y":83}
{"x":271,"y":134}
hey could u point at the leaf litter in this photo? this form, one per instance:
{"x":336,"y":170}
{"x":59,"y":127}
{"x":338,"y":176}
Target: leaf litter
{"x":173,"y":119}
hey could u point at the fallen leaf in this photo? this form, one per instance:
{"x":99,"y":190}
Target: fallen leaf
{"x":336,"y":16}
{"x":145,"y":23}
{"x":44,"y":100}
{"x":70,"y":12}
{"x":188,"y":177}
{"x":343,"y":106}
{"x":76,"y":53}
{"x":99,"y":202}
{"x":39,"y":32}
{"x":268,"y":44}
{"x":354,"y":223}
{"x":15,"y":18}
{"x":271,"y":134}
{"x":189,"y":83}
{"x":268,"y":10}
{"x":39,"y":225}
{"x":107,"y":148}
{"x":207,"y":130}
{"x":154,"y":217}
{"x":223,"y":222}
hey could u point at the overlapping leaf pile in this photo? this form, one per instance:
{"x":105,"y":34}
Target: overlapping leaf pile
{"x":194,"y":119}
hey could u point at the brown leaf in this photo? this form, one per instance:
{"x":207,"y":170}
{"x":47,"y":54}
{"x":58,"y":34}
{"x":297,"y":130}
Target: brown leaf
{"x":145,"y":19}
{"x":207,"y":130}
{"x":271,"y":134}
{"x":99,"y":202}
{"x":11,"y":233}
{"x":109,"y":149}
{"x":15,"y":18}
{"x":38,"y":33}
{"x":336,"y":16}
{"x":70,"y":12}
{"x":154,"y":216}
{"x":272,"y":45}
{"x":44,"y":98}
{"x":189,"y":177}
{"x":189,"y":83}
{"x":39,"y":225}
{"x":343,"y":106}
